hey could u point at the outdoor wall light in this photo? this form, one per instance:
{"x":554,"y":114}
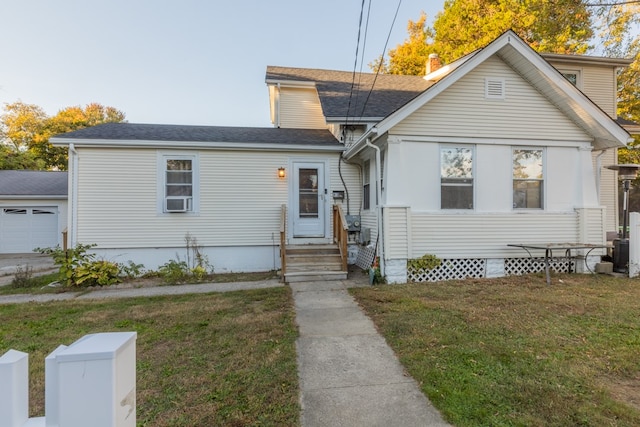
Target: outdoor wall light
{"x":281,"y":173}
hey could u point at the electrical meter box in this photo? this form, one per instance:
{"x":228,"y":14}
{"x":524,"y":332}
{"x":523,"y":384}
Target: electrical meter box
{"x":353,"y":222}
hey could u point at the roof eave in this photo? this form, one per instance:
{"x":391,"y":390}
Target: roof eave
{"x":127,"y":143}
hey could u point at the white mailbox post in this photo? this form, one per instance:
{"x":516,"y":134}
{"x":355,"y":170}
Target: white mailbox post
{"x":93,"y":382}
{"x":14,"y":389}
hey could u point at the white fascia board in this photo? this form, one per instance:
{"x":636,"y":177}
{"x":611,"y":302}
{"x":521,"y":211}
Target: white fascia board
{"x":585,"y":59}
{"x":4,"y":198}
{"x":181,"y":145}
{"x":291,"y":83}
{"x":354,"y":120}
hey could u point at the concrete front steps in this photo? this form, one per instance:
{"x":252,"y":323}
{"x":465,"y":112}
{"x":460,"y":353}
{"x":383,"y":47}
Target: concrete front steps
{"x":311,"y":263}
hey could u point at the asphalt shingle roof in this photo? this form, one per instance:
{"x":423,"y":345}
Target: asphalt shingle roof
{"x":32,"y":183}
{"x":186,"y":133}
{"x":334,"y":87}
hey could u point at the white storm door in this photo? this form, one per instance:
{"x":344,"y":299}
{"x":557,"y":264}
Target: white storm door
{"x":308,"y":200}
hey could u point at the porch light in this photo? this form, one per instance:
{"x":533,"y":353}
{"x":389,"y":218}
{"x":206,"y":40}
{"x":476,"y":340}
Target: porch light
{"x":281,"y":172}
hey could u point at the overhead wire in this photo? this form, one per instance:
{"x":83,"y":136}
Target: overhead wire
{"x":386,"y":43}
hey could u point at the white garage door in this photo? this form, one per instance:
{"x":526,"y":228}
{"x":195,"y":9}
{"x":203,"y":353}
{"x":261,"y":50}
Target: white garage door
{"x":23,"y":229}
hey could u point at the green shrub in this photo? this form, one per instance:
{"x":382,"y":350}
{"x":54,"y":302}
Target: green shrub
{"x":78,"y":267}
{"x":131,"y":270}
{"x":425,"y":263}
{"x":100,"y":273}
{"x":174,"y":272}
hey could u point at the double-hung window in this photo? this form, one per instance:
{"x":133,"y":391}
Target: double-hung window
{"x":179,"y":181}
{"x":456,"y":177}
{"x":528,"y":178}
{"x":366,"y":185}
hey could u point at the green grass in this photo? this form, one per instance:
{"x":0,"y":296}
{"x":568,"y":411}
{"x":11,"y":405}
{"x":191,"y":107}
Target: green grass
{"x":213,"y":359}
{"x":516,"y":352}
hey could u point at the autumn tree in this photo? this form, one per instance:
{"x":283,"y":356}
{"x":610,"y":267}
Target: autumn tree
{"x":561,"y":26}
{"x":25,"y":130}
{"x":410,"y":57}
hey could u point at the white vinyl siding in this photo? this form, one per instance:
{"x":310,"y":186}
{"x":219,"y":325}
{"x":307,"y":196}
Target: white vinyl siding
{"x":397,"y":232}
{"x":463,"y":111}
{"x":609,"y":189}
{"x":598,"y":82}
{"x":487,"y":235}
{"x":240,"y":198}
{"x":300,"y":108}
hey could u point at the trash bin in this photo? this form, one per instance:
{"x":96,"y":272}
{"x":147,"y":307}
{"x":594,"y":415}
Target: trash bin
{"x":620,"y":255}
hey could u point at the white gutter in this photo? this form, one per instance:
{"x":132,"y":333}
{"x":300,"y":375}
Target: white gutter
{"x":361,"y":143}
{"x":277,"y":106}
{"x":72,"y":222}
{"x":379,"y":204}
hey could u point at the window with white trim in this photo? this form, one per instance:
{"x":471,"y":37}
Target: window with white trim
{"x":528,"y":178}
{"x":178,"y":181}
{"x":574,"y":77}
{"x":456,"y":177}
{"x":366,"y":186}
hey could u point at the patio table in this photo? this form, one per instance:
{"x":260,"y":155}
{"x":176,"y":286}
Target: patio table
{"x":548,"y":249}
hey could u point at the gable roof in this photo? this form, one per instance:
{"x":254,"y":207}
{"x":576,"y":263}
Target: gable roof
{"x":136,"y":134}
{"x":532,"y":67}
{"x":32,"y":184}
{"x":334,"y":87}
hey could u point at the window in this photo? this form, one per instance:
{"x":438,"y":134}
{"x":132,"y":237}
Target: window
{"x":366,"y":186}
{"x":178,"y":183}
{"x":527,"y":179}
{"x":573,"y":76}
{"x":456,"y":178}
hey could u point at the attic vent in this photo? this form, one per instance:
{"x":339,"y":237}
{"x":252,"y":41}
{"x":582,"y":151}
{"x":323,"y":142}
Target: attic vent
{"x":494,"y":88}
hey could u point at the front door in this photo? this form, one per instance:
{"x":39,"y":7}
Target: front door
{"x":308,"y":213}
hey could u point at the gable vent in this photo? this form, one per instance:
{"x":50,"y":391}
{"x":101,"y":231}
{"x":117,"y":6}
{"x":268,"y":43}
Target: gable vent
{"x":494,"y":88}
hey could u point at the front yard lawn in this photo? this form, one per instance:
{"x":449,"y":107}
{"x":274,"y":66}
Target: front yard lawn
{"x":202,"y":360}
{"x":516,"y":352}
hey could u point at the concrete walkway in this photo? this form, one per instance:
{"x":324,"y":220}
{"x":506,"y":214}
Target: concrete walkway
{"x":348,"y":374}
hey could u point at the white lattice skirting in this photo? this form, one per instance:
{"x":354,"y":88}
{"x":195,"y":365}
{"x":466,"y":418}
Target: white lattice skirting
{"x":458,"y":269}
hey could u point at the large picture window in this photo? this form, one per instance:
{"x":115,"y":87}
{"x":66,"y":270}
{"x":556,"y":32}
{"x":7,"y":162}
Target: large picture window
{"x":456,"y":178}
{"x":528,"y":178}
{"x":178,"y":183}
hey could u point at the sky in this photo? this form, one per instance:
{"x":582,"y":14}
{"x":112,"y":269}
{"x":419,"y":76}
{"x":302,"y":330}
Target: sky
{"x":194,"y":62}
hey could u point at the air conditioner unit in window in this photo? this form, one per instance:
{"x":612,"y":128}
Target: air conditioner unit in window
{"x":177,"y":204}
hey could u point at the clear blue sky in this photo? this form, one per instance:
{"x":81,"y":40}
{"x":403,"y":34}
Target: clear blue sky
{"x":181,"y":62}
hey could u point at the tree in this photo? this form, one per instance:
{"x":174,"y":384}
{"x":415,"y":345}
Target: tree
{"x":410,"y":57}
{"x":25,"y":130}
{"x":561,"y":26}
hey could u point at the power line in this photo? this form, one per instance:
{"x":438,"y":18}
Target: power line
{"x":382,"y":56}
{"x":355,"y":63}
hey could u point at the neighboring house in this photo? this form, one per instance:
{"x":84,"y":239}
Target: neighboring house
{"x":498,"y":147}
{"x":33,"y":209}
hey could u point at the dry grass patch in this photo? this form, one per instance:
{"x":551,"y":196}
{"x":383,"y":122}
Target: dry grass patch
{"x":514,"y":351}
{"x":213,"y":359}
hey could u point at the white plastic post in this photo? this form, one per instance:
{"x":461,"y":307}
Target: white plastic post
{"x":634,"y":244}
{"x":14,"y":389}
{"x":94,"y":382}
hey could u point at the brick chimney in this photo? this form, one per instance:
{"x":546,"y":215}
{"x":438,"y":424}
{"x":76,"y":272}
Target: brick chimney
{"x":433,"y":63}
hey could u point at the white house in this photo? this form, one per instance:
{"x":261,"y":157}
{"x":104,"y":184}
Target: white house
{"x":498,"y":147}
{"x":33,"y":209}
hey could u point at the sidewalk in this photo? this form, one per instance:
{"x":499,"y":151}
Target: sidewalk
{"x":141,"y":292}
{"x":348,"y":374}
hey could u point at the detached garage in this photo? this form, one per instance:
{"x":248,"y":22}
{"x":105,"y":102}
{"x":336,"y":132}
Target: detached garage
{"x":33,"y":210}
